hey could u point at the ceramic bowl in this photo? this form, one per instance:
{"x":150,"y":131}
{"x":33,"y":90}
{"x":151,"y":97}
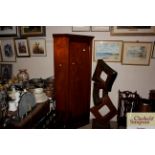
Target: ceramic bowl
{"x":38,"y":90}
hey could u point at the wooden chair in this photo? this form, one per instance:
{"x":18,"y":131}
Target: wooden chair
{"x":127,"y":102}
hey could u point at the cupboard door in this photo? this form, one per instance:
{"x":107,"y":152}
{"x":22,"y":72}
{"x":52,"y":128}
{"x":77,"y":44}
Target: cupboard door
{"x":61,"y":77}
{"x":79,"y":82}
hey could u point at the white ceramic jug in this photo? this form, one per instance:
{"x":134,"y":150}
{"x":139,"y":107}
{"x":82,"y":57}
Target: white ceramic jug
{"x":13,"y":105}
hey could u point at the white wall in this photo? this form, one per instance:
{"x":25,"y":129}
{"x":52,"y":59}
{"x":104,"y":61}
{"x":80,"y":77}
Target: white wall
{"x":130,"y":77}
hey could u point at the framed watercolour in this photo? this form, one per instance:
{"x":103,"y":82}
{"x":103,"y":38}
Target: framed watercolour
{"x":133,"y":30}
{"x":100,"y":28}
{"x":22,"y":48}
{"x":37,"y":47}
{"x":136,"y":53}
{"x":108,"y":50}
{"x":8,"y":50}
{"x":27,"y":31}
{"x":80,"y":28}
{"x":6,"y":71}
{"x":8,"y":31}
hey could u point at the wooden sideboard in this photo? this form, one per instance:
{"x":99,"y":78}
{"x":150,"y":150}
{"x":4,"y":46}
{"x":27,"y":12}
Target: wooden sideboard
{"x":34,"y":116}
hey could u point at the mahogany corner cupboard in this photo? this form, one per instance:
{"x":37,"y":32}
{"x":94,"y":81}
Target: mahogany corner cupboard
{"x":72,"y":69}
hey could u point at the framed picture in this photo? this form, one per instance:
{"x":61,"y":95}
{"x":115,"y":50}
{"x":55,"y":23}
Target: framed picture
{"x":0,"y":53}
{"x":100,"y":28}
{"x":8,"y":50}
{"x":108,"y":50}
{"x":27,"y":31}
{"x":80,"y":28}
{"x":0,"y":57}
{"x":22,"y":48}
{"x":8,"y":31}
{"x":153,"y":51}
{"x":6,"y":71}
{"x":37,"y":47}
{"x":133,"y":30}
{"x":136,"y":53}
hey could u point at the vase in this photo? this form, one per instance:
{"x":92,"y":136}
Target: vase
{"x":22,"y":75}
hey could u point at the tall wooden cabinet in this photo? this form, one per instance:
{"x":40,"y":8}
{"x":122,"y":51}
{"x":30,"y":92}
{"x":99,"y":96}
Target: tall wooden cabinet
{"x":72,"y":67}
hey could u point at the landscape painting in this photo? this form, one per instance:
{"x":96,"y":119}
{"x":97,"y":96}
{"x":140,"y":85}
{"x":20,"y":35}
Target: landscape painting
{"x":137,"y":53}
{"x":110,"y":51}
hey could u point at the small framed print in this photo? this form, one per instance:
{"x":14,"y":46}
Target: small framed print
{"x":37,"y":47}
{"x":153,"y":51}
{"x":8,"y":31}
{"x":6,"y":71}
{"x":22,"y":48}
{"x":0,"y":57}
{"x":27,"y":31}
{"x":136,"y":53}
{"x":132,"y":30}
{"x":100,"y":28}
{"x":0,"y":53}
{"x":8,"y":50}
{"x":80,"y":28}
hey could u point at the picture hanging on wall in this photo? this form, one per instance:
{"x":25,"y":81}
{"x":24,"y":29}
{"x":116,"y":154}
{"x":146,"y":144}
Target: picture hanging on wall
{"x":136,"y":53}
{"x":132,"y":30}
{"x":80,"y":28}
{"x":8,"y":50}
{"x":0,"y":53}
{"x":8,"y":31}
{"x":6,"y":71}
{"x":0,"y":57}
{"x":153,"y":51}
{"x":100,"y":28}
{"x":22,"y":48}
{"x":27,"y":31}
{"x":108,"y":50}
{"x":37,"y":47}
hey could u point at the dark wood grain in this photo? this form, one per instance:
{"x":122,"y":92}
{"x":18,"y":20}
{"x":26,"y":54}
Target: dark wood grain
{"x":72,"y":61}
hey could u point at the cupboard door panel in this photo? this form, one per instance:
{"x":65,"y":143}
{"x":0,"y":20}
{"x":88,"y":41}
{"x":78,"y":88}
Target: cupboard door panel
{"x":79,"y":80}
{"x":61,"y":76}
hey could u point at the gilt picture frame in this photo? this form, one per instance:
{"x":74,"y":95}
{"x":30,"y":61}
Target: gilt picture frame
{"x":132,"y":30}
{"x":22,"y":48}
{"x":37,"y":46}
{"x":108,"y":50}
{"x":8,"y":50}
{"x":30,"y":31}
{"x":136,"y":53}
